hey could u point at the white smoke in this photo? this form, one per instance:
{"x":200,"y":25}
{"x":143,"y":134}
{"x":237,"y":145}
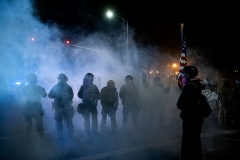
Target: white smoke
{"x":103,"y":55}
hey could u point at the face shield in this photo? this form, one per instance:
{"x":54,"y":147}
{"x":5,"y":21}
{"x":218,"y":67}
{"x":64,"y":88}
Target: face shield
{"x":62,"y":78}
{"x":33,"y":81}
{"x":31,"y":78}
{"x":238,"y":82}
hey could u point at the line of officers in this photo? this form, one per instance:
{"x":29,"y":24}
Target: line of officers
{"x":228,"y":99}
{"x":144,"y":101}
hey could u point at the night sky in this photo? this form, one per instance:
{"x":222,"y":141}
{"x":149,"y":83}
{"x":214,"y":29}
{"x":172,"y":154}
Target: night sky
{"x":210,"y":26}
{"x":154,"y":42}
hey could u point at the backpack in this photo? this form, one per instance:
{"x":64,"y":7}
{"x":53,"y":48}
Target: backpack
{"x":208,"y":100}
{"x":110,"y":96}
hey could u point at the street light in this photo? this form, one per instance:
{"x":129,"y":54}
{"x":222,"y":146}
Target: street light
{"x":174,"y":65}
{"x":110,"y":14}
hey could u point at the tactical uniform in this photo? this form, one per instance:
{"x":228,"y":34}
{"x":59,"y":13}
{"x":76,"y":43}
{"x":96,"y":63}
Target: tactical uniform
{"x":90,"y":95}
{"x":225,"y":102}
{"x":129,"y":95}
{"x":62,"y":94}
{"x":109,"y":102}
{"x":32,"y":106}
{"x":191,"y":114}
{"x":157,"y":103}
{"x":144,"y":87}
{"x":236,"y":99}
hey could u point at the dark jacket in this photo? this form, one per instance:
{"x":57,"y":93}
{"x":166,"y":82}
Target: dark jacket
{"x":62,"y":94}
{"x":225,"y":95}
{"x":157,"y":96}
{"x":129,"y":94}
{"x":109,"y":96}
{"x":189,"y":101}
{"x":33,"y":93}
{"x":32,"y":99}
{"x":89,"y":94}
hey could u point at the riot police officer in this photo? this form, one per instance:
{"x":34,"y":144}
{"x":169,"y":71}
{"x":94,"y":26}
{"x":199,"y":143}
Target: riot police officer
{"x":62,"y":94}
{"x":144,"y":87}
{"x":157,"y":103}
{"x":225,"y":102}
{"x":109,"y":102}
{"x":236,"y":100}
{"x":129,"y":95}
{"x":90,"y":95}
{"x":32,"y":106}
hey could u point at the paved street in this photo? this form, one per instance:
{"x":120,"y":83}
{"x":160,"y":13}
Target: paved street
{"x":218,"y":142}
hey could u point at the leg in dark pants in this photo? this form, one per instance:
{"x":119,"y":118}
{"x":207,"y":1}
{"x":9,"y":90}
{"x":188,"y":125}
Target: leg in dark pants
{"x":87,"y":122}
{"x":59,"y":124}
{"x":125,"y":116}
{"x":134,"y":112}
{"x":39,"y":124}
{"x":28,"y":126}
{"x":94,"y":120}
{"x":113,"y":119}
{"x":104,"y":117}
{"x":191,"y":141}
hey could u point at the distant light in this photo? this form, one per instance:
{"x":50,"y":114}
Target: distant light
{"x":109,"y":14}
{"x":32,"y":39}
{"x":174,"y":65}
{"x":157,"y":71}
{"x":18,"y":83}
{"x":67,"y":41}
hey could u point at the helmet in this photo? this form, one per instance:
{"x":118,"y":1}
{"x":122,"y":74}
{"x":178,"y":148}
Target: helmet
{"x":62,"y":77}
{"x":31,"y":77}
{"x":111,"y":83}
{"x":143,"y":75}
{"x":190,"y":72}
{"x":128,"y":78}
{"x":89,"y":76}
{"x":238,"y":81}
{"x":207,"y":81}
{"x":156,"y":80}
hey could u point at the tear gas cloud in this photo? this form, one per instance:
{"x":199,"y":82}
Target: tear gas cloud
{"x":28,"y":46}
{"x":48,"y":56}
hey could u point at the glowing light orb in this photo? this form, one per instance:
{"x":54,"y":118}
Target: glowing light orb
{"x":109,"y":14}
